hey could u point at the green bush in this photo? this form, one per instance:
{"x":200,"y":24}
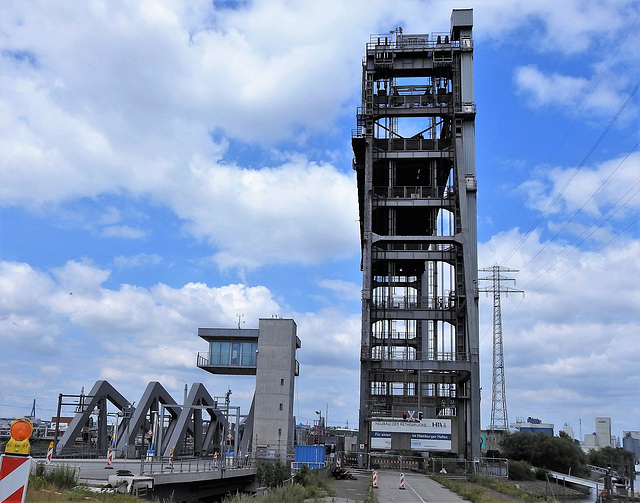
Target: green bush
{"x":272,"y":474}
{"x":521,"y":470}
{"x":40,"y":470}
{"x":63,"y":477}
{"x":36,"y":482}
{"x":315,"y":484}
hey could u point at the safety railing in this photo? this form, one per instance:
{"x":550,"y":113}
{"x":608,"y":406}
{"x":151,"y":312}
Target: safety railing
{"x":411,"y":144}
{"x":164,"y":464}
{"x":447,"y":467}
{"x":418,"y":41}
{"x":441,"y":98}
{"x":372,"y":353}
{"x":413,"y":192}
{"x":440,"y":302}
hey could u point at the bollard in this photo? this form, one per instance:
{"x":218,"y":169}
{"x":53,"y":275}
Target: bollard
{"x":402,"y":481}
{"x":375,"y":480}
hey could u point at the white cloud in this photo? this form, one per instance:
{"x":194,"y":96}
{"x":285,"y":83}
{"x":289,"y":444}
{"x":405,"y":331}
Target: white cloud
{"x":570,"y":347}
{"x":343,"y":289}
{"x":609,"y":186}
{"x":121,"y":98}
{"x":264,"y":216}
{"x":133,"y":335}
{"x":122,"y":231}
{"x":570,"y":94}
{"x":567,"y":27}
{"x":145,"y":102}
{"x":138,"y":260}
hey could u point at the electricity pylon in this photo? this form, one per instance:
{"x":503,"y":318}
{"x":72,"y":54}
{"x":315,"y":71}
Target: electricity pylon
{"x":499,"y":418}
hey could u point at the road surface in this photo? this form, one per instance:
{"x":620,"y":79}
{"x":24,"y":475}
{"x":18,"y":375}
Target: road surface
{"x":418,"y":489}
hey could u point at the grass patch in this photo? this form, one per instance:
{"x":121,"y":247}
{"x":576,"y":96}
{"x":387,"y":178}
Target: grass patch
{"x":51,"y":494}
{"x":59,"y":484}
{"x":478,"y":490}
{"x":289,"y":493}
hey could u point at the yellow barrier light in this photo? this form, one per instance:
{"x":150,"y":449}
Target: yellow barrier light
{"x":20,"y":432}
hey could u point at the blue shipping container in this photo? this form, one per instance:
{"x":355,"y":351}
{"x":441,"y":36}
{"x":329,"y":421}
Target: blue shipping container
{"x":309,"y":453}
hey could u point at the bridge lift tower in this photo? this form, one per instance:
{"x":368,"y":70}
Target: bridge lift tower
{"x":414,"y":156}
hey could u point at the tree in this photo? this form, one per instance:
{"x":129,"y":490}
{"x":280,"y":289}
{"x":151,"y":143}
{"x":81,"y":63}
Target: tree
{"x":617,"y":459}
{"x":559,"y":454}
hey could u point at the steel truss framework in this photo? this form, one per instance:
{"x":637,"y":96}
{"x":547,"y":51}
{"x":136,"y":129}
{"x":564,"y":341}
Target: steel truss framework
{"x":183,"y":428}
{"x":414,"y":155}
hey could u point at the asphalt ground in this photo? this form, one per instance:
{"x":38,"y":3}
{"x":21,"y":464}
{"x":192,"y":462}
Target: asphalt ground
{"x":416,"y":488}
{"x":351,"y":491}
{"x":397,"y":487}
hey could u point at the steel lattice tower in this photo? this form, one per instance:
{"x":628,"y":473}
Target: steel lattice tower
{"x":499,"y":417}
{"x":414,"y":156}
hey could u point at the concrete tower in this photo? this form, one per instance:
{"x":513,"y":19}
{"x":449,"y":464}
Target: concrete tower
{"x":269,"y":353}
{"x":414,"y":154}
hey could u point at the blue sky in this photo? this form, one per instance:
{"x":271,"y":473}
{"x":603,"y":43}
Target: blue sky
{"x":165,"y":166}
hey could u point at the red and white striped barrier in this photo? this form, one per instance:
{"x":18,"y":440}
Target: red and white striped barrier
{"x":49,"y":454}
{"x":14,"y":478}
{"x":375,"y":480}
{"x":109,"y":458}
{"x":402,"y":481}
{"x":171,"y":459}
{"x":338,"y":462}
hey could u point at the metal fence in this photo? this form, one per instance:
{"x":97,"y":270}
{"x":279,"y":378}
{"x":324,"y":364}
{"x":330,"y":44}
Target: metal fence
{"x":489,"y":467}
{"x":448,"y":467}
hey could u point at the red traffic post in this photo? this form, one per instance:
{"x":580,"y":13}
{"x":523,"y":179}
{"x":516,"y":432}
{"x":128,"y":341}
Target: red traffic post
{"x":49,"y":454}
{"x":15,"y":464}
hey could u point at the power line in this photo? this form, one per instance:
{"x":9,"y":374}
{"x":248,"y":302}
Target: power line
{"x":593,"y":228}
{"x":600,"y":188}
{"x":590,"y":255}
{"x":586,"y":100}
{"x":574,"y":174}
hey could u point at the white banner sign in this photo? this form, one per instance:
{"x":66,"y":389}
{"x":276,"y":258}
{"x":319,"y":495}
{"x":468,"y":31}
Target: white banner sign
{"x":426,"y":435}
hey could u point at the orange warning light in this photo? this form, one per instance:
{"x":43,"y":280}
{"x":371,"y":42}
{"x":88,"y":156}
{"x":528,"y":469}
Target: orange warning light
{"x":21,"y":429}
{"x":20,"y":432}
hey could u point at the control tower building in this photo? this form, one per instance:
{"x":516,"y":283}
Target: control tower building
{"x":414,"y":155}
